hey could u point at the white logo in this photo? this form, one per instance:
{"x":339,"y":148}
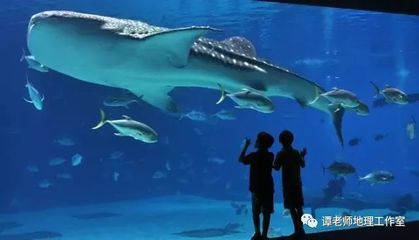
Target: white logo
{"x":309,"y":220}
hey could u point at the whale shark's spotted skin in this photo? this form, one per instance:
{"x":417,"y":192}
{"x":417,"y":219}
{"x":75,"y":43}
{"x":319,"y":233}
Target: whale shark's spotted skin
{"x":150,"y":61}
{"x":125,"y":27}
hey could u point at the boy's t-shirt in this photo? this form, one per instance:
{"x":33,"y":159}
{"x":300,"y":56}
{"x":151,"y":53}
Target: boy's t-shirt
{"x":260,"y":178}
{"x":291,"y":162}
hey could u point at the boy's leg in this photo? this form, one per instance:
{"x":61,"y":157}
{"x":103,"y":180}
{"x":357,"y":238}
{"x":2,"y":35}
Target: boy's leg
{"x":266,"y":223}
{"x":295,"y":219}
{"x":256,"y":208}
{"x":300,"y":223}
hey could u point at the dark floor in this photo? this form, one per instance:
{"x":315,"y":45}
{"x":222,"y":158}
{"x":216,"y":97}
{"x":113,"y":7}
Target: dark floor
{"x":409,"y":232}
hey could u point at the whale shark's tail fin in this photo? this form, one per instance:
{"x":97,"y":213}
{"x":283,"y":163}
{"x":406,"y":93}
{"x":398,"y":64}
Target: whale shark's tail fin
{"x":337,"y":122}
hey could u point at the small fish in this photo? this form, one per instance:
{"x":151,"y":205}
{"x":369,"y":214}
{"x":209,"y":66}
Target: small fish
{"x":361,"y":110}
{"x":411,"y":129}
{"x":34,"y":95}
{"x":116,"y":155}
{"x":33,"y":63}
{"x":194,"y":115}
{"x":247,"y":99}
{"x":312,"y":62}
{"x":116,"y":176}
{"x":216,"y":160}
{"x":340,"y":169}
{"x":44,"y":184}
{"x":342,"y":97}
{"x":127,"y":127}
{"x":379,"y":137}
{"x":76,"y":159}
{"x":65,"y":141}
{"x":354,"y":141}
{"x":198,"y":131}
{"x":378,"y":177}
{"x":56,"y":161}
{"x":168,"y":167}
{"x":239,"y":208}
{"x":64,"y":176}
{"x":123,"y":101}
{"x":391,"y":95}
{"x":32,"y":168}
{"x":159,"y":175}
{"x":225,"y":115}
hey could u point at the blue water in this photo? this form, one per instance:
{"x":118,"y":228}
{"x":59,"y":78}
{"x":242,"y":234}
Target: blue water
{"x":341,"y":48}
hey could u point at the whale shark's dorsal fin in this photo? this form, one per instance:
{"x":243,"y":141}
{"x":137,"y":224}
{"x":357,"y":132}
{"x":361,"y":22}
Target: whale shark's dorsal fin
{"x":240,"y":45}
{"x":178,"y":42}
{"x":127,"y":117}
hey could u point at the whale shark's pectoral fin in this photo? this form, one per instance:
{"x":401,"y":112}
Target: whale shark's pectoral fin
{"x":158,"y":97}
{"x":26,"y":100}
{"x":178,"y":42}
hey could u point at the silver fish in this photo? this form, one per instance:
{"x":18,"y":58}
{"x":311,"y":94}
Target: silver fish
{"x":127,"y":127}
{"x":248,"y":99}
{"x":35,"y":97}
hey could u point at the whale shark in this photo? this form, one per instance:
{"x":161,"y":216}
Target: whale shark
{"x":150,"y":61}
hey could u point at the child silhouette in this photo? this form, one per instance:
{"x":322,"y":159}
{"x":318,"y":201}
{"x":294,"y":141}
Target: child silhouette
{"x":261,"y":184}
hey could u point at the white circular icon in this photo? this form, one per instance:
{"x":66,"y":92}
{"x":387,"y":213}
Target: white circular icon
{"x":312,"y":223}
{"x":306,"y":217}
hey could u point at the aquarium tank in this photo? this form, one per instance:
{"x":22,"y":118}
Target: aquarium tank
{"x":163,"y":120}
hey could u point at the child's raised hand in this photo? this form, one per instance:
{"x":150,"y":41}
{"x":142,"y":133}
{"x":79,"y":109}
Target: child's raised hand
{"x":246,"y":142}
{"x":303,"y":152}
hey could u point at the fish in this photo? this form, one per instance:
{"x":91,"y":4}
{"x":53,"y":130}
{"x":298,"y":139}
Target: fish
{"x":116,"y":155}
{"x":313,"y":62}
{"x":340,"y":169}
{"x":35,"y":97}
{"x":381,"y":102}
{"x":362,"y":109}
{"x":32,"y":168}
{"x":354,"y":141}
{"x":414,"y":172}
{"x":76,"y":159}
{"x":64,"y":176}
{"x":65,"y":141}
{"x":33,"y":63}
{"x":56,"y":161}
{"x":379,"y":137}
{"x":239,"y":208}
{"x":411,"y":129}
{"x":194,"y":115}
{"x":225,"y":115}
{"x":216,"y":160}
{"x":122,"y":101}
{"x":116,"y":176}
{"x":210,"y":232}
{"x":248,"y":99}
{"x":378,"y":177}
{"x":157,"y":59}
{"x":342,"y":97}
{"x":127,"y":127}
{"x":168,"y":167}
{"x":159,"y":175}
{"x":391,"y":94}
{"x":44,"y":184}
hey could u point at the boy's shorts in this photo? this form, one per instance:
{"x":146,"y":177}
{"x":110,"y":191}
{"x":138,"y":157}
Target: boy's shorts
{"x":262,"y":204}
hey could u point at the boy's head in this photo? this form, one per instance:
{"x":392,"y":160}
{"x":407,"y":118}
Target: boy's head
{"x":264,"y":140}
{"x":286,"y":138}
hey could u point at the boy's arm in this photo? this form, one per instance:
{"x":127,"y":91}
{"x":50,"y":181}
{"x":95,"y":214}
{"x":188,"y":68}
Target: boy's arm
{"x":303,"y":153}
{"x":242,"y":157}
{"x":277,"y":162}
